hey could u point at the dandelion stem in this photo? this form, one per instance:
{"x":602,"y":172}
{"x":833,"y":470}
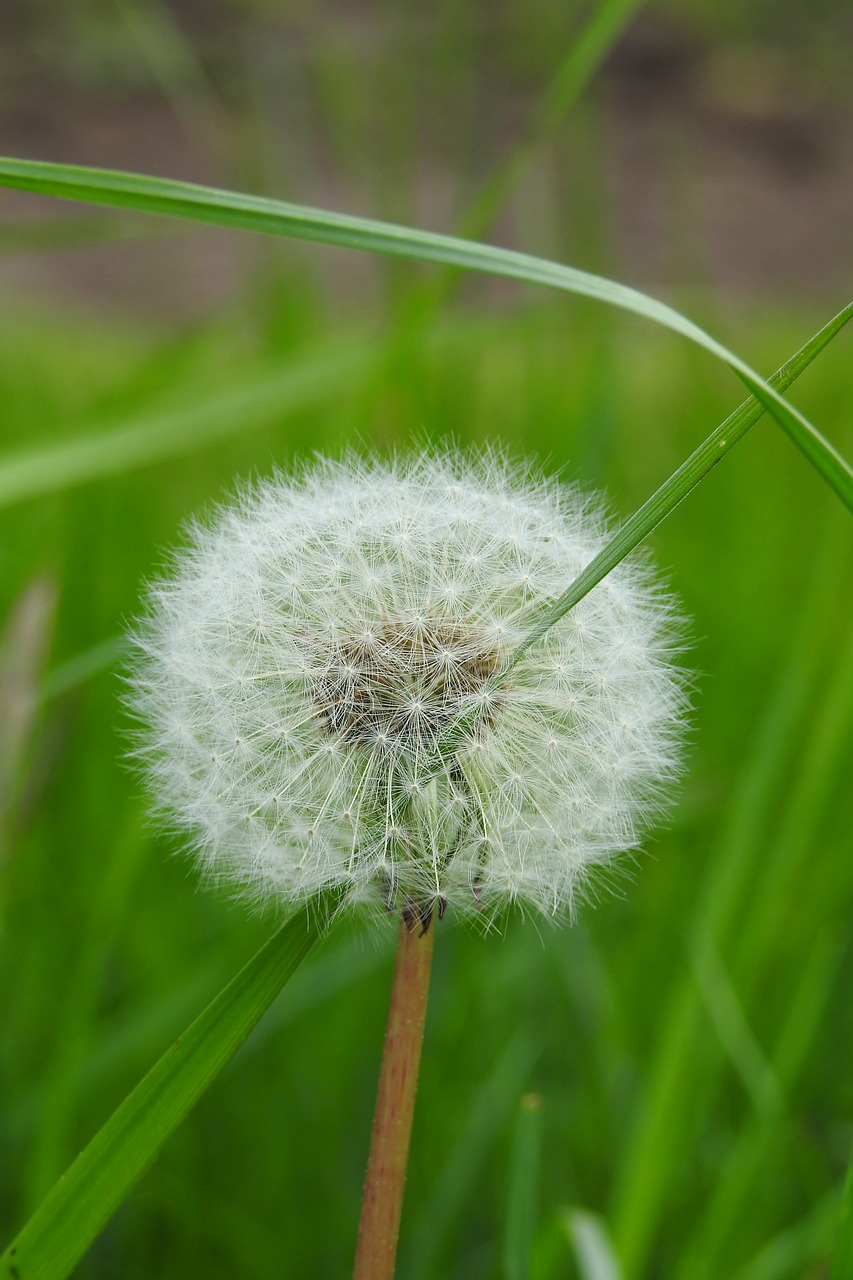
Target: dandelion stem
{"x":382,"y":1204}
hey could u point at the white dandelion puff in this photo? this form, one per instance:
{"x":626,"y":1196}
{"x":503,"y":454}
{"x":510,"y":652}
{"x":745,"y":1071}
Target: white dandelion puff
{"x":324,"y":687}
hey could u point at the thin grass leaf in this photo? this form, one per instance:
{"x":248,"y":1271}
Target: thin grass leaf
{"x":800,"y":1250}
{"x":652,"y":513}
{"x":574,"y":73}
{"x":757,"y":1147}
{"x":170,"y":432}
{"x":273,"y":217}
{"x":594,"y":1255}
{"x":520,"y":1223}
{"x":674,"y":490}
{"x":842,"y":1267}
{"x":75,"y":671}
{"x":491,"y":1105}
{"x":586,"y":54}
{"x":654,"y":1145}
{"x":84,"y":1200}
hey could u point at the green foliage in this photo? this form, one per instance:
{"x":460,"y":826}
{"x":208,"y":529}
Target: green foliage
{"x":522,"y":1196}
{"x":843,"y":1264}
{"x":84,"y":1200}
{"x":187,"y":200}
{"x":688,"y":1038}
{"x":680,"y":1030}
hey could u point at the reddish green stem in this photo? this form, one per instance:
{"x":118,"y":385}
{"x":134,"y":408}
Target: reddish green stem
{"x":382,"y":1204}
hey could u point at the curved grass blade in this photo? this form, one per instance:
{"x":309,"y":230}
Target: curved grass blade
{"x":842,"y":1267}
{"x":80,"y":668}
{"x":492,"y":1103}
{"x":685,"y":1069}
{"x":523,"y":1187}
{"x":665,"y":499}
{"x":584,"y":57}
{"x":656,"y":508}
{"x":594,"y":1254}
{"x":84,"y":1200}
{"x":201,"y":419}
{"x":799,"y":1250}
{"x":255,"y":213}
{"x":586,"y":54}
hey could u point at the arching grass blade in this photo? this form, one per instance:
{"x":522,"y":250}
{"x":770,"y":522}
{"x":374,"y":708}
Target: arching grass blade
{"x":665,"y":499}
{"x":84,"y":1200}
{"x":254,"y":213}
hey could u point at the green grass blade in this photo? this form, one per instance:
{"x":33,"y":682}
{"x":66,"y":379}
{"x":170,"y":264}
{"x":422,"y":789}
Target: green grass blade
{"x":594,"y":1255}
{"x":492,"y":1105}
{"x":760,"y":1139}
{"x":200,"y":420}
{"x":842,"y":1267}
{"x":673,"y":491}
{"x":83,"y":1201}
{"x":656,"y":508}
{"x":735,"y":1034}
{"x":254,"y":213}
{"x":799,"y":1250}
{"x":584,"y":57}
{"x":582,"y":61}
{"x":80,"y":668}
{"x":523,"y":1188}
{"x":574,"y":73}
{"x":653,"y":1149}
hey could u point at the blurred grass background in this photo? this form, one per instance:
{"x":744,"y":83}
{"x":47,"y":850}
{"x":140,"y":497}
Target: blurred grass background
{"x":690,"y":1037}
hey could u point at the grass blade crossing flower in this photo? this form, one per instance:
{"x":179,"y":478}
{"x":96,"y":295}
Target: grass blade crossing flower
{"x":301,"y":671}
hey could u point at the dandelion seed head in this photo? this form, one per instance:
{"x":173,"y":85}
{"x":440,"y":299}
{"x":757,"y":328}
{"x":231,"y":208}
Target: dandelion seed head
{"x":326,"y":701}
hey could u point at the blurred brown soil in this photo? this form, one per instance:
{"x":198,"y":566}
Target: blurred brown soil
{"x":720,"y":169}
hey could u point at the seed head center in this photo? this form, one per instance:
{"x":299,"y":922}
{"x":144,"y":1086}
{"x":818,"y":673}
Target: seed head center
{"x":402,"y":684}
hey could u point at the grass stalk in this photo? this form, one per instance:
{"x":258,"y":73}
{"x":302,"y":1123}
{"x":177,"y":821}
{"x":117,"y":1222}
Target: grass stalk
{"x":385,"y":1182}
{"x":209,"y":205}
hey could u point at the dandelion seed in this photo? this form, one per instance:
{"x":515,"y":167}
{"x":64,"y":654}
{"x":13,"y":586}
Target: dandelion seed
{"x":270,"y":632}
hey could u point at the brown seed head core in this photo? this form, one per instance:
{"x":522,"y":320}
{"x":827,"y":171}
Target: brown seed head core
{"x":400,"y":685}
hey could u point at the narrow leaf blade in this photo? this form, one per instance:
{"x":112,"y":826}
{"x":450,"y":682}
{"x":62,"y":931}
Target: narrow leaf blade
{"x":83,"y":1201}
{"x":523,"y":1188}
{"x":255,"y":213}
{"x":202,"y":419}
{"x":593,"y":1250}
{"x":676,"y":488}
{"x":842,"y":1267}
